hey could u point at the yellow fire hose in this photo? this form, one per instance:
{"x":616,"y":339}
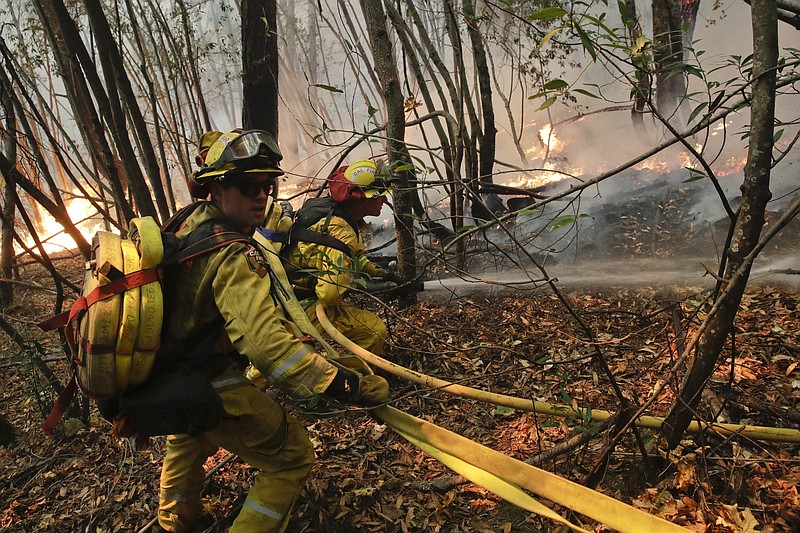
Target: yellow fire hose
{"x":497,"y":472}
{"x":504,"y":475}
{"x":651,"y":422}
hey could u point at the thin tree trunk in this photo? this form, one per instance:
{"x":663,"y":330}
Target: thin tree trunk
{"x":192,"y":64}
{"x":749,"y":221}
{"x":61,"y":32}
{"x":144,"y":69}
{"x":395,"y":131}
{"x":120,"y":93}
{"x":641,"y":63}
{"x":488,"y":135}
{"x":260,"y":65}
{"x":668,"y":56}
{"x":9,"y":149}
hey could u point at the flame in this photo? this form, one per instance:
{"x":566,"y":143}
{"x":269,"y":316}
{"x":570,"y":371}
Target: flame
{"x":52,"y":234}
{"x":548,"y":138}
{"x":529,"y":180}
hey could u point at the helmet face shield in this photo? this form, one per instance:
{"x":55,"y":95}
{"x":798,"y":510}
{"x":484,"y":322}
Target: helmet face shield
{"x":251,"y":151}
{"x":251,"y":144}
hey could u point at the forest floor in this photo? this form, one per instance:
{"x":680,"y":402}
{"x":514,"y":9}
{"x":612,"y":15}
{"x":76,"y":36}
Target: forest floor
{"x":368,"y":478}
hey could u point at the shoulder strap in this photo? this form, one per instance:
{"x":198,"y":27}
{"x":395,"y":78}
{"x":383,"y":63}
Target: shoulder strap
{"x":208,"y":236}
{"x":312,"y":212}
{"x":174,"y":223}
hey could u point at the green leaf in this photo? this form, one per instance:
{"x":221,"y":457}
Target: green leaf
{"x":586,"y":41}
{"x":715,"y":104}
{"x":328,"y":88}
{"x":554,"y":85}
{"x":371,"y":110}
{"x":694,"y":174}
{"x":550,"y":424}
{"x":547,"y":103}
{"x":697,"y":111}
{"x":623,"y":12}
{"x":778,"y":135}
{"x":548,"y":13}
{"x":549,"y":35}
{"x":501,"y":410}
{"x":693,"y":71}
{"x":565,"y":220}
{"x":586,"y":93}
{"x":403,"y":168}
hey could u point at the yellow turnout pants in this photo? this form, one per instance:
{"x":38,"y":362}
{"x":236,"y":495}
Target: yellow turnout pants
{"x":363,"y":327}
{"x":261,"y":433}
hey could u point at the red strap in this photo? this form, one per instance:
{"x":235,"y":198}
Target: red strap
{"x":130,"y":281}
{"x":61,"y":405}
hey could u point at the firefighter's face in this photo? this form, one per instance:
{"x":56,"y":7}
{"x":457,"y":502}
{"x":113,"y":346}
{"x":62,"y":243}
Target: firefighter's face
{"x":367,"y":207}
{"x":244,"y":200}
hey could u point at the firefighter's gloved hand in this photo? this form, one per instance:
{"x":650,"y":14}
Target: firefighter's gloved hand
{"x":373,"y":390}
{"x":366,"y":390}
{"x":394,"y":278}
{"x":379,"y":287}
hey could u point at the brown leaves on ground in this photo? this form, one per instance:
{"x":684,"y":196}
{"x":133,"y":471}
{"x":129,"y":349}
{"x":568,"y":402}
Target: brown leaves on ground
{"x":368,"y":479}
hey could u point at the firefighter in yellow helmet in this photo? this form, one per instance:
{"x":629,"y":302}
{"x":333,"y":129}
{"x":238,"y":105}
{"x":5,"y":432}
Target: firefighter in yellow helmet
{"x":223,"y":311}
{"x":325,"y":270}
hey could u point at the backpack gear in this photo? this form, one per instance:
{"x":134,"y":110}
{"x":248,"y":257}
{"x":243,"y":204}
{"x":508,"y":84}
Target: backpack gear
{"x":114,"y":328}
{"x":313,"y":211}
{"x":238,"y":152}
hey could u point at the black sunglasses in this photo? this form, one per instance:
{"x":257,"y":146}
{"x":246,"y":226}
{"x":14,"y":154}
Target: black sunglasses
{"x":252,"y":188}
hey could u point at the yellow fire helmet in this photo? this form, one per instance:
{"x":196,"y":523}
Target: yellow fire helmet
{"x":238,"y":152}
{"x":369,"y":176}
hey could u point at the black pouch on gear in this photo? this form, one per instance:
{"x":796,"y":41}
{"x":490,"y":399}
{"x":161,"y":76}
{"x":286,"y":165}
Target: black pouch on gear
{"x":175,"y":403}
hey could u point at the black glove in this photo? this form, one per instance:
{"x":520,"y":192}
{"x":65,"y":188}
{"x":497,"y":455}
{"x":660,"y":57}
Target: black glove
{"x":366,"y":390}
{"x":379,"y":287}
{"x":394,"y":278}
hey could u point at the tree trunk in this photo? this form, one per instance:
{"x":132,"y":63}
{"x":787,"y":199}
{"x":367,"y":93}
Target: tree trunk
{"x":9,"y":149}
{"x":63,"y":34}
{"x":486,"y":138}
{"x":260,"y":65}
{"x":749,"y":220}
{"x":384,"y":58}
{"x":192,"y":64}
{"x":668,"y":56}
{"x":641,"y":62}
{"x":144,"y":70}
{"x":120,"y":93}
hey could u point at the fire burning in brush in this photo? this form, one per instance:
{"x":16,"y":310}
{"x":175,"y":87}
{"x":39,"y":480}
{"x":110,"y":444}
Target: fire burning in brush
{"x":548,"y":138}
{"x":52,"y":234}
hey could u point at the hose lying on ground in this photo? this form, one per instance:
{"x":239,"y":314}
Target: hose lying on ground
{"x":651,"y":422}
{"x":504,"y":475}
